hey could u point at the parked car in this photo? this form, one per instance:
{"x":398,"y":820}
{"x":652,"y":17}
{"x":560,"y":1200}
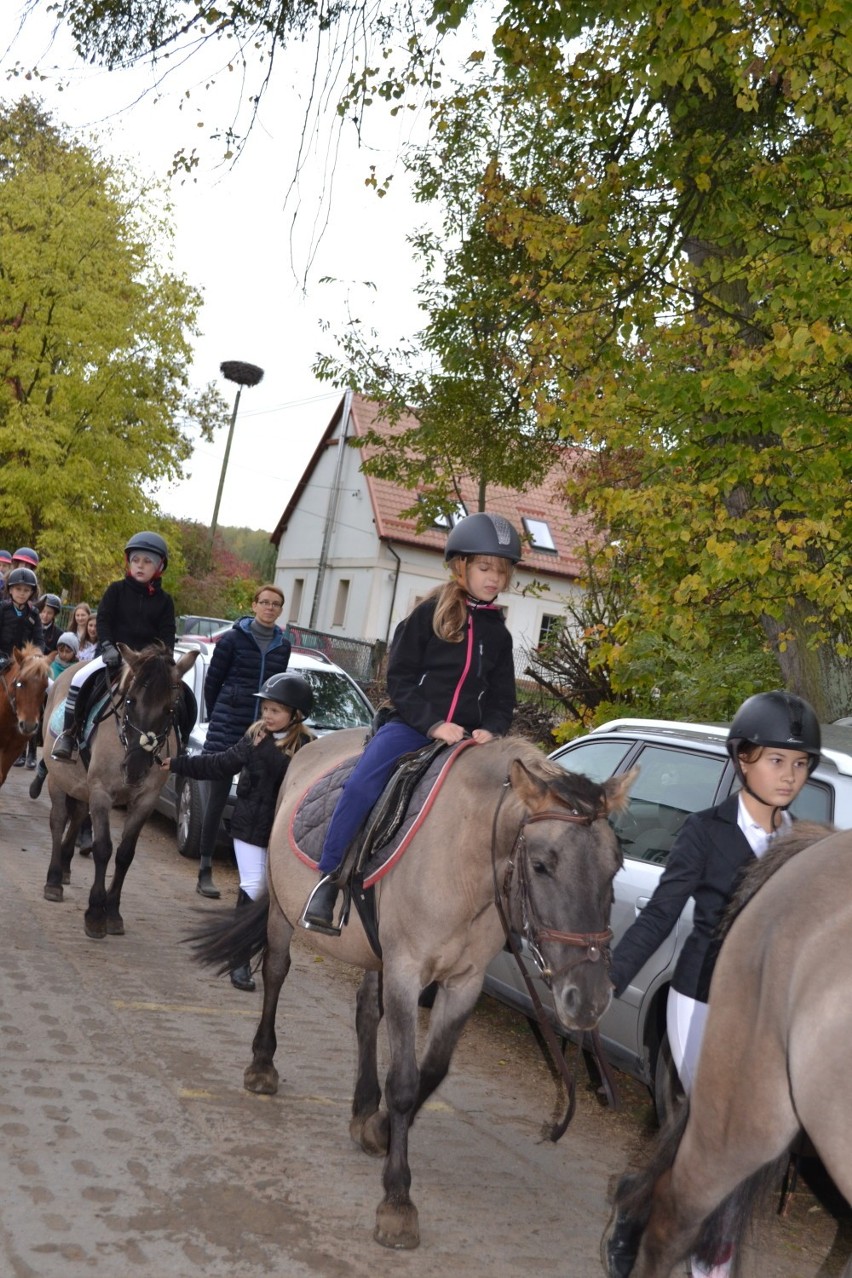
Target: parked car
{"x":203,"y":629}
{"x":684,"y":767}
{"x":338,"y":703}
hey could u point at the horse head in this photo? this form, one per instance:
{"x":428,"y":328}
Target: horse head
{"x":150,"y":687}
{"x":27,"y":687}
{"x":561,"y":895}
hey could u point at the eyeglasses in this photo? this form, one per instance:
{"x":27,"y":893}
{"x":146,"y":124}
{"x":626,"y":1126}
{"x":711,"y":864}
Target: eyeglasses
{"x":277,"y":604}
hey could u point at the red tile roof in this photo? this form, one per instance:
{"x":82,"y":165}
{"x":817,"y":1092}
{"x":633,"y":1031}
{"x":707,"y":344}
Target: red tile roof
{"x":543,"y":502}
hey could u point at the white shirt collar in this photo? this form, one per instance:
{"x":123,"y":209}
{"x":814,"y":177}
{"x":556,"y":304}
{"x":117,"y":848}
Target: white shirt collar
{"x":758,"y":838}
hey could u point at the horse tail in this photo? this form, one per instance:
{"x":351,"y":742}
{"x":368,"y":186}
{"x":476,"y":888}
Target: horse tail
{"x":725,"y":1227}
{"x":241,"y":932}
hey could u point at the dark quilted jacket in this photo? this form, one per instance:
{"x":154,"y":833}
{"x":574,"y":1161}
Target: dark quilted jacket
{"x":261,"y":769}
{"x":136,"y":614}
{"x":237,"y":670}
{"x":17,"y":629}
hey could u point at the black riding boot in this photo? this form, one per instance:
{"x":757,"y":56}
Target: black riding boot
{"x":38,"y":780}
{"x":205,"y":885}
{"x":241,"y":977}
{"x":31,"y":754}
{"x":622,"y":1247}
{"x":65,"y":745}
{"x":320,"y":911}
{"x":85,"y":838}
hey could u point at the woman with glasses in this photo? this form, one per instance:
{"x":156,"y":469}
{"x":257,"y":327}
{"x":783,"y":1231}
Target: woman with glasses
{"x":254,"y":649}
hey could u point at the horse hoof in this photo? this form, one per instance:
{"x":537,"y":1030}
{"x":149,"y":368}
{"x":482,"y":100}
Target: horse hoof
{"x":397,"y":1227}
{"x":261,"y":1081}
{"x":95,"y":931}
{"x":115,"y":927}
{"x":372,"y":1134}
{"x":52,"y":892}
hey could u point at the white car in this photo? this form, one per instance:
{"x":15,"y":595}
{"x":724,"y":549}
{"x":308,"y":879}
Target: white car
{"x":338,"y":703}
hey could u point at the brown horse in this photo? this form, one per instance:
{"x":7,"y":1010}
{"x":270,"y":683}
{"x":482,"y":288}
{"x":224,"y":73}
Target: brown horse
{"x":506,"y":824}
{"x":23,"y":687}
{"x":127,"y":743}
{"x":775,"y":1060}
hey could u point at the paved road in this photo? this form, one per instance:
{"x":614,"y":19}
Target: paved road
{"x":128,"y":1146}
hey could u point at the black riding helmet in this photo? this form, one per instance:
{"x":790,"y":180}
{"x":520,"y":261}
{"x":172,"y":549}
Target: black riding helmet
{"x":149,"y":542}
{"x":22,"y":577}
{"x":483,"y":534}
{"x":779,"y":719}
{"x":288,"y":690}
{"x":50,"y":601}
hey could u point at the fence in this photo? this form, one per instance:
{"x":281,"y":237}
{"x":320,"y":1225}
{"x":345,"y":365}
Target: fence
{"x":357,"y":657}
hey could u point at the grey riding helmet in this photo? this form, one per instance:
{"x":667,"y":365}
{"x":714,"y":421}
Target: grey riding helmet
{"x":149,"y":542}
{"x":483,"y":534}
{"x":288,"y":690}
{"x":779,"y":719}
{"x":22,"y":577}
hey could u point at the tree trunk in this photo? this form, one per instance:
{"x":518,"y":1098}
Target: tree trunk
{"x":810,"y":666}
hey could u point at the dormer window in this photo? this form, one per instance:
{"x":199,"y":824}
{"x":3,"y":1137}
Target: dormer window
{"x":540,"y":536}
{"x":449,"y":519}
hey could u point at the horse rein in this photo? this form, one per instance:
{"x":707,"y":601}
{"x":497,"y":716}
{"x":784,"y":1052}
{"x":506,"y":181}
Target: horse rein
{"x":149,"y":742}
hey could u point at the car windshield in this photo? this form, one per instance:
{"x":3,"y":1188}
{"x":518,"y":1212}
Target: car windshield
{"x":337,"y":702}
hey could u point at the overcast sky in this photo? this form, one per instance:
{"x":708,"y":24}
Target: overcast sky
{"x":236,"y":241}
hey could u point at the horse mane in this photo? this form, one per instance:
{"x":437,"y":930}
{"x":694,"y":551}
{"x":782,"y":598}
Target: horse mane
{"x":574,"y":789}
{"x":31,"y":652}
{"x":801,"y":835}
{"x":153,"y":671}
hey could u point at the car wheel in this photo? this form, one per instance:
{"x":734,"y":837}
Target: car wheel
{"x":189,"y":819}
{"x":668,"y":1092}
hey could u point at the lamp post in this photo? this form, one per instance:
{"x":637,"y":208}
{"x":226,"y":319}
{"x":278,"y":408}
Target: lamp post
{"x":244,"y":375}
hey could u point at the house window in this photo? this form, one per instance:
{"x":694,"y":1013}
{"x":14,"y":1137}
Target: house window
{"x":449,"y":519}
{"x":340,"y":602}
{"x":550,"y":627}
{"x":539,"y":534}
{"x":296,"y":599}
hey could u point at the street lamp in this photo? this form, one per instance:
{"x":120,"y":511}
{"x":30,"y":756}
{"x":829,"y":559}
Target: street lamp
{"x":244,"y":375}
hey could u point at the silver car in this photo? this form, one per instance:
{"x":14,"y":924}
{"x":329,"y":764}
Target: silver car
{"x":338,"y":703}
{"x":684,"y":767}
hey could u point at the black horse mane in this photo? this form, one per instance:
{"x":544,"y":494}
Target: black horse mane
{"x":153,"y":673}
{"x":801,"y":835}
{"x":574,"y":789}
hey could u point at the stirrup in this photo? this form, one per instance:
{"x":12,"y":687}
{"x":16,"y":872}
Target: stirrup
{"x":69,"y":743}
{"x":328,"y":929}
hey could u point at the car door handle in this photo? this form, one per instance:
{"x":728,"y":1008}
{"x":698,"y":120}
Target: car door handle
{"x":641,"y":902}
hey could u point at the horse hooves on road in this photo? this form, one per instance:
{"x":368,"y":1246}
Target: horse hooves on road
{"x":372,"y":1133}
{"x":52,"y":892}
{"x":397,"y":1227}
{"x":115,"y":927}
{"x":263,"y":1082}
{"x":95,"y":932}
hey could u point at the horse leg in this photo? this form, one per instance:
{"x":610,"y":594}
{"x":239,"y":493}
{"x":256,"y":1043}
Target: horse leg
{"x":95,"y":918}
{"x":396,"y":1217}
{"x":66,"y":817}
{"x":364,"y":1128}
{"x":261,"y":1076}
{"x":124,"y":855}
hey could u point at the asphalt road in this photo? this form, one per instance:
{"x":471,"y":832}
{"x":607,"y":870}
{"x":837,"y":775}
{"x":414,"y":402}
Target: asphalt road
{"x":129,"y":1147}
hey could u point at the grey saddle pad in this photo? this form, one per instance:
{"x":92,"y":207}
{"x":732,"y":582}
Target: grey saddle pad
{"x":313,"y":813}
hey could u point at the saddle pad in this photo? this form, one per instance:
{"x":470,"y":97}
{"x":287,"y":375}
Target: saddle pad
{"x":57,"y":718}
{"x":312,"y":814}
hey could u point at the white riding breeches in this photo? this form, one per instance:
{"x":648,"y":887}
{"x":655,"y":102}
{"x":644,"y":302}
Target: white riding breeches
{"x":251,"y":863}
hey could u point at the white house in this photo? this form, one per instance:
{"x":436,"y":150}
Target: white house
{"x":348,"y":563}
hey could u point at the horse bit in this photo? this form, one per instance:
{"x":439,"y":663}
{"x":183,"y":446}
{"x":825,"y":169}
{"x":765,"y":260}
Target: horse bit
{"x":150,"y":742}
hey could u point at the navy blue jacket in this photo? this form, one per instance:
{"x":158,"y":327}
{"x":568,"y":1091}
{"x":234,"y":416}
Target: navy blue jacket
{"x":136,"y":614}
{"x":236,"y":672}
{"x":707,"y":859}
{"x":18,"y":628}
{"x":427,"y":675}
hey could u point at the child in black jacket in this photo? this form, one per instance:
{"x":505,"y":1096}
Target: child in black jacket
{"x":261,"y":756}
{"x":20,"y":622}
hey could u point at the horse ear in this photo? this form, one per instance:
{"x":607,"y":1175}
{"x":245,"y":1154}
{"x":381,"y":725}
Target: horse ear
{"x":529,"y":788}
{"x":617,"y":790}
{"x":187,"y":661}
{"x":17,"y":655}
{"x":130,"y":655}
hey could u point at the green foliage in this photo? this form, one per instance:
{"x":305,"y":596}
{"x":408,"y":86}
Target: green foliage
{"x":215,"y":583}
{"x":676,"y":213}
{"x":94,"y":351}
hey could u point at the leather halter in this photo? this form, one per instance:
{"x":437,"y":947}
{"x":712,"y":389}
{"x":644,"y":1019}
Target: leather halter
{"x":151,"y":743}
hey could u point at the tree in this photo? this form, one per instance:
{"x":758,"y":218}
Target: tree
{"x":221,"y":585}
{"x":94,"y":351}
{"x":683,"y":263}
